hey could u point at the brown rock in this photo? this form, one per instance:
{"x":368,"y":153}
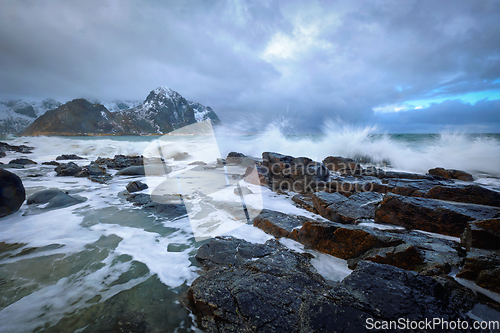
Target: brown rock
{"x":430,"y":214}
{"x":468,"y":194}
{"x":482,"y":234}
{"x":451,"y":174}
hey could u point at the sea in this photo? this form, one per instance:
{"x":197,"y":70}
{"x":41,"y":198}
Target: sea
{"x":84,"y":267}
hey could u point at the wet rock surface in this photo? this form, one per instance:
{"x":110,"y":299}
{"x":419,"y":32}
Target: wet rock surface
{"x":20,"y":149}
{"x":69,"y":157}
{"x":157,"y":205}
{"x":12,"y":193}
{"x":451,"y":174}
{"x":53,"y":199}
{"x":431,"y":214}
{"x":136,"y":186}
{"x":120,"y":161}
{"x":269,"y":288}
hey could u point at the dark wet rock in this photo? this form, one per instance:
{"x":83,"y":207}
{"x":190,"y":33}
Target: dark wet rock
{"x":12,"y":193}
{"x":430,"y":214}
{"x":2,"y":152}
{"x":54,"y":199}
{"x":489,"y":279}
{"x":120,"y":161}
{"x":69,"y":157}
{"x":242,"y":190}
{"x":182,"y":156}
{"x":22,"y":161}
{"x":136,"y":186}
{"x":35,"y":175}
{"x":252,"y":287}
{"x":11,"y":166}
{"x":134,"y":322}
{"x":132,"y":171}
{"x":268,"y":288}
{"x":305,"y":202}
{"x":234,"y":158}
{"x":403,"y":175}
{"x":68,"y":169}
{"x":405,"y":256}
{"x":482,"y":234}
{"x":467,"y":194}
{"x":336,"y":207}
{"x":44,"y":196}
{"x":451,"y":174}
{"x":20,"y":149}
{"x":157,"y":205}
{"x":298,"y":174}
{"x":96,"y":173}
{"x":54,"y":163}
{"x":346,"y":166}
{"x":479,"y":260}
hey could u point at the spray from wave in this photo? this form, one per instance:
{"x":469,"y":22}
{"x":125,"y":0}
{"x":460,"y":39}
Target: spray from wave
{"x":478,"y":154}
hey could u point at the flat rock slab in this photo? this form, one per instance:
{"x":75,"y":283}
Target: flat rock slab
{"x":451,"y":174}
{"x":430,"y":214}
{"x":483,"y":267}
{"x":474,"y":194}
{"x":336,"y":207}
{"x":54,"y":199}
{"x":169,"y":210}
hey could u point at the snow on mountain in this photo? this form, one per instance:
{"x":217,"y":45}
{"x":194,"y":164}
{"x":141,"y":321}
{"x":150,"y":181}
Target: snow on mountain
{"x":15,"y":116}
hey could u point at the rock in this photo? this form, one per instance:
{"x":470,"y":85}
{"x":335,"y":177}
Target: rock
{"x":244,"y":190}
{"x":234,"y":158}
{"x":451,"y":174}
{"x":256,"y":175}
{"x":169,"y":210}
{"x":22,"y":161}
{"x":120,"y":162}
{"x":132,"y":171}
{"x":483,"y":267}
{"x":286,"y":173}
{"x":69,"y":157}
{"x":304,"y":201}
{"x":268,"y":288}
{"x":12,"y":193}
{"x":136,"y":186}
{"x":482,"y":234}
{"x":342,"y":241}
{"x":252,"y":287}
{"x":346,"y":166}
{"x":336,"y":207}
{"x":68,"y":169}
{"x":2,"y":152}
{"x":54,"y":199}
{"x":20,"y":149}
{"x":467,"y":194}
{"x":430,"y":214}
{"x":11,"y":166}
{"x":197,"y":163}
{"x":96,"y":173}
{"x":54,"y":163}
{"x":35,"y":175}
{"x":43,"y":196}
{"x":403,"y":175}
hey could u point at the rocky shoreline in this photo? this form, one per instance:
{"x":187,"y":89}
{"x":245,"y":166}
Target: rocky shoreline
{"x":409,"y":239}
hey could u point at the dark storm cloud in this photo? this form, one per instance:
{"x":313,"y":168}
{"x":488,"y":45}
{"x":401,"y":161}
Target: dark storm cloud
{"x":310,"y":60}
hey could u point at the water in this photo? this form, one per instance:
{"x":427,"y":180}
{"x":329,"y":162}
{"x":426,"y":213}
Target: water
{"x":80,"y":268}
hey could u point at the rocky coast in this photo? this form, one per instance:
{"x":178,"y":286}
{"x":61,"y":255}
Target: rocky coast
{"x":419,"y":247}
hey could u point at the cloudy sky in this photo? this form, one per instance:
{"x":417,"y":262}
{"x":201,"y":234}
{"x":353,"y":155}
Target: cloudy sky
{"x":407,"y":66}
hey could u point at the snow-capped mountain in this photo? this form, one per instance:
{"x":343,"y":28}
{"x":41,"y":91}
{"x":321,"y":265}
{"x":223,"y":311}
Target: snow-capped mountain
{"x":15,"y":116}
{"x":163,"y":111}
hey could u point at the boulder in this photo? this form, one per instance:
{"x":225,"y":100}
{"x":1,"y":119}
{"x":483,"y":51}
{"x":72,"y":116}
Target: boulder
{"x":2,"y":152}
{"x":12,"y":193}
{"x":170,"y":210}
{"x":22,"y":161}
{"x":474,"y":194}
{"x":304,"y":201}
{"x":132,"y":171}
{"x":451,"y":174}
{"x":20,"y":149}
{"x":136,"y":186}
{"x":96,"y":173}
{"x":336,"y":207}
{"x":483,"y":267}
{"x":286,"y":173}
{"x":346,"y":166}
{"x":68,"y":169}
{"x":120,"y":161}
{"x":54,"y":163}
{"x":54,"y":199}
{"x":430,"y":214}
{"x":69,"y":157}
{"x":278,"y":224}
{"x":197,"y":163}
